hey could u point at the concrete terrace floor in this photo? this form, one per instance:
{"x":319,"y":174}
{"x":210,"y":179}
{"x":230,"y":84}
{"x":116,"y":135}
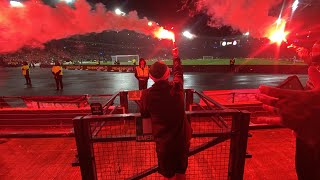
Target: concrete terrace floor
{"x":50,"y":158}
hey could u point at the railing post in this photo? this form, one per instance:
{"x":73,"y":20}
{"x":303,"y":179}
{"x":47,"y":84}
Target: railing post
{"x":85,"y":149}
{"x":238,"y":145}
{"x":124,"y":100}
{"x":233,"y":97}
{"x":189,"y":98}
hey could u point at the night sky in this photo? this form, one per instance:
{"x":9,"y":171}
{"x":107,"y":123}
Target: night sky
{"x":173,"y":13}
{"x":170,"y":13}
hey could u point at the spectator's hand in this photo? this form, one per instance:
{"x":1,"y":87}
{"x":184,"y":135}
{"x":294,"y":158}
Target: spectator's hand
{"x":298,"y":110}
{"x":175,"y":52}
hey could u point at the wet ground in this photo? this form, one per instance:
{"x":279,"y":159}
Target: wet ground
{"x":50,"y":158}
{"x":78,"y":82}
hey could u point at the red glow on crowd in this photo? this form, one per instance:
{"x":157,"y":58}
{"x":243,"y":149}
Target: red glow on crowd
{"x":60,"y":22}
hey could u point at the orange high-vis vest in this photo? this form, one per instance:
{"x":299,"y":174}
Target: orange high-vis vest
{"x":24,"y":69}
{"x":56,"y":69}
{"x":142,"y":73}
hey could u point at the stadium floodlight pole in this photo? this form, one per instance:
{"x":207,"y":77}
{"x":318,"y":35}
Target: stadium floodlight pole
{"x":16,"y":4}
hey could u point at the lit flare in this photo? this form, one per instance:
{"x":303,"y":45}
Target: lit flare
{"x":162,"y":33}
{"x":278,"y":34}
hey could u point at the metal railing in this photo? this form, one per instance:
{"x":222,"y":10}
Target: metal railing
{"x":43,"y":102}
{"x":234,"y":97}
{"x":113,"y":152}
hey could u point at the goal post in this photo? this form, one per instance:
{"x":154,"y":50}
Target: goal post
{"x":207,"y":57}
{"x":124,"y":59}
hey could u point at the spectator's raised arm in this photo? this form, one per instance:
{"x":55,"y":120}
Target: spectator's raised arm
{"x":177,"y":70}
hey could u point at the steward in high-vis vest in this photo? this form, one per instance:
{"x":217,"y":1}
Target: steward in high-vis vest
{"x":57,"y":73}
{"x":26,"y":72}
{"x":232,"y":63}
{"x":142,"y":74}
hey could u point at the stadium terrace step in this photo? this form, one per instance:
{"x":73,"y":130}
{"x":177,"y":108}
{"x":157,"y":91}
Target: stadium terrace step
{"x":39,"y":118}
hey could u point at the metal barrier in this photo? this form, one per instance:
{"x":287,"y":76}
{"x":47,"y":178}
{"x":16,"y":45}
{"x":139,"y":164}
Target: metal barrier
{"x":116,"y":151}
{"x":50,"y":102}
{"x":232,"y":97}
{"x":11,"y":101}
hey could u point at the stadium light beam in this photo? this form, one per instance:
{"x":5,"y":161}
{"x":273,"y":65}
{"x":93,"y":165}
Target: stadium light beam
{"x":278,"y":21}
{"x":295,"y":5}
{"x":16,"y":4}
{"x":188,"y":35}
{"x":119,"y":12}
{"x":247,"y":33}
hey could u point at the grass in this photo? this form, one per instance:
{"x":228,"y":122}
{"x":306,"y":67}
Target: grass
{"x":239,"y":61}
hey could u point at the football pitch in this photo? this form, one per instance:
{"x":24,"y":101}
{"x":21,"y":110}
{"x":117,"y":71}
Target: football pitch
{"x":239,"y":61}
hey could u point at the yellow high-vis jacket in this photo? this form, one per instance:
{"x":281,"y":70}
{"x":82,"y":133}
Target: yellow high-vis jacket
{"x":56,"y":69}
{"x":24,"y":69}
{"x":142,"y":73}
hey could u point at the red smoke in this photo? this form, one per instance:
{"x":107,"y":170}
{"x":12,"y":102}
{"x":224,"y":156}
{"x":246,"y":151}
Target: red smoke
{"x":36,"y":23}
{"x":244,"y":15}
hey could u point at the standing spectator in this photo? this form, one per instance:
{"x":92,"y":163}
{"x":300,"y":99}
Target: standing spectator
{"x":164,"y":103}
{"x":142,"y":74}
{"x":299,"y":111}
{"x":232,"y":63}
{"x":308,"y":156}
{"x":57,"y":73}
{"x":134,"y":62}
{"x":26,"y":73}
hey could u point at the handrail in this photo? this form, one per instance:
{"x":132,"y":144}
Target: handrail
{"x":109,"y":103}
{"x":207,"y":98}
{"x":234,"y":94}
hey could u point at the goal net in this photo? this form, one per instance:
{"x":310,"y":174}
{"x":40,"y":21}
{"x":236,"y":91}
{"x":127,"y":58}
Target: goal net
{"x":207,"y":57}
{"x":124,"y":59}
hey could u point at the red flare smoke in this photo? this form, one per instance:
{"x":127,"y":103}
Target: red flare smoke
{"x":244,"y":15}
{"x":36,"y":23}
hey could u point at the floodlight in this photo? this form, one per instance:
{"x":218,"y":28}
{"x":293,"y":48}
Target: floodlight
{"x":68,"y":1}
{"x":16,"y":4}
{"x":234,"y":43}
{"x":119,"y":12}
{"x":188,"y":35}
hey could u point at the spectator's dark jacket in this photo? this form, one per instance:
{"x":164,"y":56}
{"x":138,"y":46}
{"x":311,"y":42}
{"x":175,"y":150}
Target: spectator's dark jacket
{"x":164,"y":103}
